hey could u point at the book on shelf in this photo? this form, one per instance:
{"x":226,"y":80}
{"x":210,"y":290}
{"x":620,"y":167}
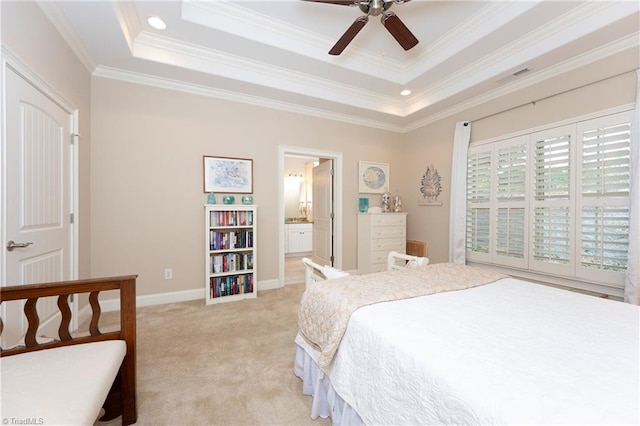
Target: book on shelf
{"x":231,"y":262}
{"x":230,"y":285}
{"x":231,"y":218}
{"x":228,"y":240}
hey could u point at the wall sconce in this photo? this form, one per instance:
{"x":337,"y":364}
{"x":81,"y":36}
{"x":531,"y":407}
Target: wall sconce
{"x":295,"y":177}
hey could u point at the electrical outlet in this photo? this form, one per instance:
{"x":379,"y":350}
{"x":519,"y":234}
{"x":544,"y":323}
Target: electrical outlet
{"x":168,"y":274}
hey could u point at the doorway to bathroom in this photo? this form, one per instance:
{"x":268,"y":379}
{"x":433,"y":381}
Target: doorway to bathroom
{"x":298,"y":214}
{"x":309,"y":227}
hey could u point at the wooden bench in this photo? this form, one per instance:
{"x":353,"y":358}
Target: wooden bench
{"x":50,"y":383}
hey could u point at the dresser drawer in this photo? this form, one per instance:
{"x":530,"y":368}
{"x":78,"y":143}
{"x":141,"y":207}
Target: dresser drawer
{"x":389,"y":219}
{"x":381,"y":257}
{"x":388,"y":232}
{"x":388,"y":244}
{"x":378,"y":267}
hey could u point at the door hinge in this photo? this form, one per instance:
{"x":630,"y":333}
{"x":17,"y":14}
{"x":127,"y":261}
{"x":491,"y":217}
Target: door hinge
{"x":71,"y":218}
{"x":331,"y":215}
{"x":72,"y":138}
{"x":331,"y":258}
{"x":331,"y":172}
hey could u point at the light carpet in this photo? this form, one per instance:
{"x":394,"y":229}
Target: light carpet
{"x":223,"y":364}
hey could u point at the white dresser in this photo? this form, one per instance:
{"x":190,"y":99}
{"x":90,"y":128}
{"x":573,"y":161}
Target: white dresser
{"x":378,"y":234}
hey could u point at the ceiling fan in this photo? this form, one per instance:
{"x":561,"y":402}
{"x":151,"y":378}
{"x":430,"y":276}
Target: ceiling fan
{"x":390,"y":20}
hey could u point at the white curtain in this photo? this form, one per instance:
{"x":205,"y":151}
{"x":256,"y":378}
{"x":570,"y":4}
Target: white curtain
{"x":458,"y":208}
{"x":632,"y":279}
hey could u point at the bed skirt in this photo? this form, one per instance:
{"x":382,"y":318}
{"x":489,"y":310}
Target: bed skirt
{"x":326,"y":402}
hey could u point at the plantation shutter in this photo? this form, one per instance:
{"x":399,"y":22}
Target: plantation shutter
{"x":478,"y":203}
{"x":605,"y":161}
{"x":605,"y":238}
{"x":511,"y":192}
{"x":554,"y":204}
{"x":604,"y":197}
{"x":552,"y":209}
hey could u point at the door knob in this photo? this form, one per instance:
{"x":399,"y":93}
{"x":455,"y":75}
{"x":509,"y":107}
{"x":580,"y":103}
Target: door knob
{"x":11,"y":245}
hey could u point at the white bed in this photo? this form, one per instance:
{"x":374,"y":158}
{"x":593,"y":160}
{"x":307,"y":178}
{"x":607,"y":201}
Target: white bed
{"x":508,"y":352}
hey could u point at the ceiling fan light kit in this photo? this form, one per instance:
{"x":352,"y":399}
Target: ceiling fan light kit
{"x":390,"y":20}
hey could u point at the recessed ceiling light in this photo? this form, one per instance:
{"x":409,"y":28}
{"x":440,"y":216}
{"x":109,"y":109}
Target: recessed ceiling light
{"x":405,"y":92}
{"x":156,"y":23}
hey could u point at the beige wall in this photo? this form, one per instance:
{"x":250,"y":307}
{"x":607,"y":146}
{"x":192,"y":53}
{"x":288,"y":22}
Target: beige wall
{"x":146,"y":168}
{"x":28,"y":35}
{"x":600,"y":96}
{"x":431,"y":144}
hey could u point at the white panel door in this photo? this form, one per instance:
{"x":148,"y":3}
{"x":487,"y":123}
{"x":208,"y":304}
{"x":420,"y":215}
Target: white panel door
{"x":323,"y":213}
{"x":38,"y":180}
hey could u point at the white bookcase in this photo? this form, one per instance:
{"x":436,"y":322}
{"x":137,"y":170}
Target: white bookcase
{"x":230,"y":252}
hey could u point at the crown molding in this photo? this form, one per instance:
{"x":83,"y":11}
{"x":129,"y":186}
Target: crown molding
{"x":566,"y":28}
{"x":61,"y":24}
{"x":626,"y":43}
{"x":151,"y":46}
{"x":165,"y":83}
{"x":129,"y":21}
{"x":242,"y":21}
{"x":621,"y":45}
{"x":477,"y":26}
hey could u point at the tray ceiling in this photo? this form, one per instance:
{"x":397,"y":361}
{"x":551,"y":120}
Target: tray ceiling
{"x":274,"y":53}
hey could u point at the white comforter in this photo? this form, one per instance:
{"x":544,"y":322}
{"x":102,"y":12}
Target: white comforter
{"x":505,"y":353}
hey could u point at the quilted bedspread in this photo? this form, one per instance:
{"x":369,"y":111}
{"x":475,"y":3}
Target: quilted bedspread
{"x":506,"y":353}
{"x":325,"y":309}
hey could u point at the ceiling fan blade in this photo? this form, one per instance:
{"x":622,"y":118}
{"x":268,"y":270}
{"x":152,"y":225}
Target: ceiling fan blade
{"x":338,"y":2}
{"x":346,"y":38}
{"x":399,"y":30}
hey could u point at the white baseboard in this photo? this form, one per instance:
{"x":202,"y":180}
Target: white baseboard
{"x":154,"y":299}
{"x":269,"y":285}
{"x":111,"y":305}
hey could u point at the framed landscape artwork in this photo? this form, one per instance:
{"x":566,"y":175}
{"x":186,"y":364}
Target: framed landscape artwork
{"x":373,"y":178}
{"x":228,"y":175}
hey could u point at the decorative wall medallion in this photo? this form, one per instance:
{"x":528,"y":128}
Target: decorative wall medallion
{"x":430,"y":188}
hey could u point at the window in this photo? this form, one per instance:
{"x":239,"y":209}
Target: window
{"x":554,"y":201}
{"x":510,"y":202}
{"x":603,"y":205}
{"x":478,"y":198}
{"x":552,"y":205}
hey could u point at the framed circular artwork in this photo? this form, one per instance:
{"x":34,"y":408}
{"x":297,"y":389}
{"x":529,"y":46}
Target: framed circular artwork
{"x":373,"y":178}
